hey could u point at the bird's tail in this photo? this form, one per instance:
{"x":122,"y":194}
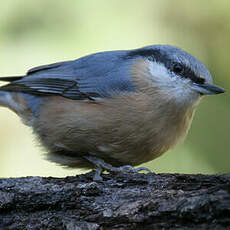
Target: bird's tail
{"x":16,"y":103}
{"x":6,"y":97}
{"x":10,"y":79}
{"x":22,"y":104}
{"x":3,"y":98}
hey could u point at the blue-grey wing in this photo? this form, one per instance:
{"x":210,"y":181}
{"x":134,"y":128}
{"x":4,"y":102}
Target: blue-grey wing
{"x":95,"y":76}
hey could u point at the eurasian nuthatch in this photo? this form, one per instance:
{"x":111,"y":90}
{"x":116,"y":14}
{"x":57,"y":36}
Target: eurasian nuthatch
{"x":111,"y":109}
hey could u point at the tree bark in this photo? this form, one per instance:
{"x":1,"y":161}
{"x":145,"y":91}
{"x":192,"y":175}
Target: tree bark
{"x":122,"y":201}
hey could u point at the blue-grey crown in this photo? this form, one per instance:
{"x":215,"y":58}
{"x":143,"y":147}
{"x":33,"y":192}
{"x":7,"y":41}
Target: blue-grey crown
{"x":175,"y":58}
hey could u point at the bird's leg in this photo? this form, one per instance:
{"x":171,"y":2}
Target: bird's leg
{"x":97,"y":175}
{"x":101,"y":165}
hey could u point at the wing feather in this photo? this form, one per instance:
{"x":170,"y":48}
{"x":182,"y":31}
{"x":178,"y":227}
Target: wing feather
{"x":95,"y":76}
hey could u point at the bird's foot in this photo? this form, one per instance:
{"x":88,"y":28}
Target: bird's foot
{"x":97,"y":175}
{"x":101,"y":165}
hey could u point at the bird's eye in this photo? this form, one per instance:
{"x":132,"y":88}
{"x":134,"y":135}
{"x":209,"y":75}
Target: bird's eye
{"x":178,"y":68}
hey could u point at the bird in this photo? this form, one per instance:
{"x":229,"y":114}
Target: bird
{"x":112,"y":110}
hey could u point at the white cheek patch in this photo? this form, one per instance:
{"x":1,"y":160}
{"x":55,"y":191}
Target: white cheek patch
{"x":175,"y":86}
{"x":159,"y":71}
{"x":160,"y":74}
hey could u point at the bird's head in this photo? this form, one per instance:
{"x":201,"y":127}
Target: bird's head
{"x":176,"y":73}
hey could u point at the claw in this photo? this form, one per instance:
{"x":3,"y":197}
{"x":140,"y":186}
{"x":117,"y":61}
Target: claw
{"x":129,"y":168}
{"x":101,"y":166}
{"x":143,"y":169}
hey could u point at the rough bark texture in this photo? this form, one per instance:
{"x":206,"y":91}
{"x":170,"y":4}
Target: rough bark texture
{"x":124,"y":201}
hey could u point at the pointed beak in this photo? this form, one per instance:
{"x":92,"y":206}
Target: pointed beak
{"x":207,"y":89}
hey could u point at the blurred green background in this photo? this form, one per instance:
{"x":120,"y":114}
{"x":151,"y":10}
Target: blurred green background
{"x":41,"y":32}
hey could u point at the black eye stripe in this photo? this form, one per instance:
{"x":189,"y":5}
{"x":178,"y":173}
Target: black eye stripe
{"x":158,"y":56}
{"x":188,"y":73}
{"x":178,"y":68}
